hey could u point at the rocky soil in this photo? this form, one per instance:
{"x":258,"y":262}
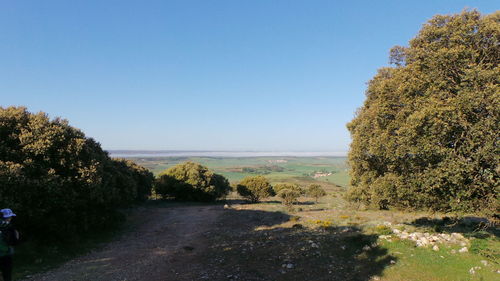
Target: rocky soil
{"x":425,"y":239}
{"x":164,"y":246}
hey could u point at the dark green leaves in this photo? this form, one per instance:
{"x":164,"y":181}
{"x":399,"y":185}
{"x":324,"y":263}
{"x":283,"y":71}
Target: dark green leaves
{"x":59,"y":182}
{"x":427,"y":135}
{"x":191,"y":181}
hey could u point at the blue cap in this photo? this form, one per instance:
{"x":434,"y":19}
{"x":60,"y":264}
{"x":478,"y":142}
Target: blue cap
{"x":7,"y":213}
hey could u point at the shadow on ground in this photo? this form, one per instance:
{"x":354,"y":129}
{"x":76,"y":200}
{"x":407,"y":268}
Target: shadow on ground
{"x":470,"y":226}
{"x":246,"y":246}
{"x":237,"y":201}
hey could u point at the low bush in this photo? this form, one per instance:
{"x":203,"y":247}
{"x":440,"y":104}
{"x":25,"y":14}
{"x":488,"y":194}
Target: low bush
{"x":289,"y":196}
{"x":315,"y":191}
{"x":255,"y":188}
{"x":191,"y":181}
{"x":292,"y":186}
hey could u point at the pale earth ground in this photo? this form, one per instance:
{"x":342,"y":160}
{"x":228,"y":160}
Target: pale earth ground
{"x":208,"y":242}
{"x":164,"y":246}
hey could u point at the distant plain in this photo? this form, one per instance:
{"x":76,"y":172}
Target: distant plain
{"x":328,"y":169}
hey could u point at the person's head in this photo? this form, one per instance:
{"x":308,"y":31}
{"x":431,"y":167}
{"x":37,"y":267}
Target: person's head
{"x":7,"y":214}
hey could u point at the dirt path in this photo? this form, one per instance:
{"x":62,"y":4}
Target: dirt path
{"x":163,"y":247}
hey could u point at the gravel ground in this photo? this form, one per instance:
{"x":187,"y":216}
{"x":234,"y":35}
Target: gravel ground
{"x":165,"y":246}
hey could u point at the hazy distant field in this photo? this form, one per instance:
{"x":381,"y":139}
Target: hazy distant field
{"x":276,"y":169}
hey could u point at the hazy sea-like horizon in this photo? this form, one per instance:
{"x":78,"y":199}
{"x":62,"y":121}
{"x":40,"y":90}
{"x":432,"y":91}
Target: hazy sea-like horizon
{"x":187,"y":153}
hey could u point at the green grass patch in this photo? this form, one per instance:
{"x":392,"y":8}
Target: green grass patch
{"x":415,"y":263}
{"x":488,"y":247}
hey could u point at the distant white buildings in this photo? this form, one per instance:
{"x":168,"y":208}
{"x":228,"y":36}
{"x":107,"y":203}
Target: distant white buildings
{"x":320,"y":174}
{"x":277,"y":161}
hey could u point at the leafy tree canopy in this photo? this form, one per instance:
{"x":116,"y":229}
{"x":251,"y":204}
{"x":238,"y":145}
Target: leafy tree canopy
{"x":315,"y":191}
{"x":427,"y":136}
{"x":255,"y":188}
{"x":292,"y":186}
{"x":59,"y":182}
{"x":289,"y":196}
{"x":191,"y":181}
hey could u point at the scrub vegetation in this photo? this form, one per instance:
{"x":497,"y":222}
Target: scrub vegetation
{"x":61,"y":183}
{"x":255,"y":188}
{"x":191,"y":181}
{"x":423,"y":202}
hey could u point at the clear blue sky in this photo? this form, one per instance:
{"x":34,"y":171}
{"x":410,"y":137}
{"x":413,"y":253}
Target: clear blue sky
{"x":205,"y":75}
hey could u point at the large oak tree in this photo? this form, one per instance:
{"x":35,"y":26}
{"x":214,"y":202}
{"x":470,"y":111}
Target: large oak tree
{"x":427,"y":136}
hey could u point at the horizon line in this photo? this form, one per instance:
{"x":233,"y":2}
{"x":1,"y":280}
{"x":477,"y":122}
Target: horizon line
{"x":222,"y":153}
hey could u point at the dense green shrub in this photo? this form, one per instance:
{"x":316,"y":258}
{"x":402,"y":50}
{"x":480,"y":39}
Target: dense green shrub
{"x":428,"y":134}
{"x":288,"y":192}
{"x":60,"y":183}
{"x":191,"y":181}
{"x":134,"y":182}
{"x":292,"y":186}
{"x":255,"y":188}
{"x":289,"y":196}
{"x":315,"y":191}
